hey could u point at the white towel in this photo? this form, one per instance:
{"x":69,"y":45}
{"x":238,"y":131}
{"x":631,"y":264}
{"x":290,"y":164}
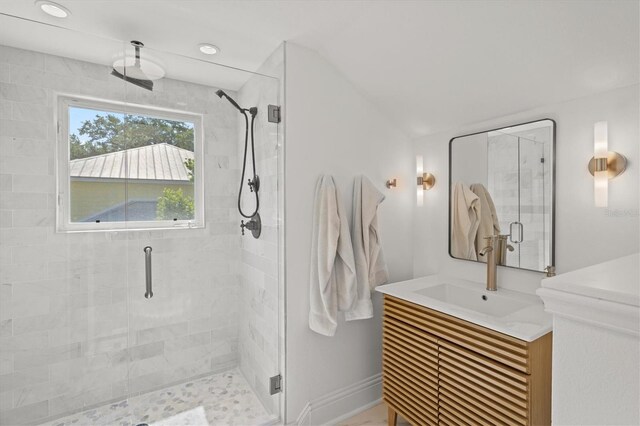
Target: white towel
{"x":465,"y":219}
{"x":333,"y":273}
{"x":371,"y":269}
{"x":489,"y":224}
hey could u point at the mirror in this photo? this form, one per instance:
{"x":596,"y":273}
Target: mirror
{"x":501,"y":182}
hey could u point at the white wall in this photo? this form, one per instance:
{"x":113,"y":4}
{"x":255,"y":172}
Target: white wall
{"x":584,"y":234}
{"x":332,"y":129}
{"x":609,"y":393}
{"x":470,"y":160}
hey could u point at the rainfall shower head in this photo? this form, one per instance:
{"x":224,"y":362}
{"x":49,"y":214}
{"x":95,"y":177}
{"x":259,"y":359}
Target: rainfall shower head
{"x":144,"y":83}
{"x":133,"y":73}
{"x":221,"y":95}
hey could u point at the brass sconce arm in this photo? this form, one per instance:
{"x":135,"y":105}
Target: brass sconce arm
{"x":615,"y":164}
{"x":427,"y":180}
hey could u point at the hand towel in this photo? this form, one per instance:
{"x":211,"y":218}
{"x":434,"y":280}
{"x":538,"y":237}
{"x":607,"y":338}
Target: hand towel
{"x":371,"y":269}
{"x":333,"y":273}
{"x":489,"y":224}
{"x":465,"y":219}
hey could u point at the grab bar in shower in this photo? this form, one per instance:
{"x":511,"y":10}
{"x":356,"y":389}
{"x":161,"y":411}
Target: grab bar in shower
{"x":147,"y":267}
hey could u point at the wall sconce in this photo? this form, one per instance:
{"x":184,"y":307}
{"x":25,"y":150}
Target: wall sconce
{"x":604,"y":165}
{"x":392,"y":183}
{"x":425,"y":181}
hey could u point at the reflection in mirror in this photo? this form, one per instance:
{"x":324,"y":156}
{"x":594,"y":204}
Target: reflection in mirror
{"x":502,"y":183}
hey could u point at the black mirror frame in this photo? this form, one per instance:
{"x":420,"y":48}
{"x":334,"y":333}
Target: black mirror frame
{"x":552,"y":256}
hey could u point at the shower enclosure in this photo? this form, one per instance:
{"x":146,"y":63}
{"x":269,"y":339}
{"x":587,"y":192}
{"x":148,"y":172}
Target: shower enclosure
{"x":519,"y":177}
{"x":108,"y":188}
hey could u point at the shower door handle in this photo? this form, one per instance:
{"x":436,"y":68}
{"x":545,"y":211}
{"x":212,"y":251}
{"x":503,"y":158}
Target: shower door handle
{"x":520,"y":232}
{"x":147,"y":267}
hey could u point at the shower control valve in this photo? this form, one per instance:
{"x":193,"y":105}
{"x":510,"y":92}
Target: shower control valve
{"x":251,"y":226}
{"x":254,"y":225}
{"x":254,"y":185}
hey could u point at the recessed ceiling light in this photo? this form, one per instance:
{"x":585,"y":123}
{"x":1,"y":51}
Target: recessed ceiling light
{"x":53,"y":9}
{"x":208,"y":48}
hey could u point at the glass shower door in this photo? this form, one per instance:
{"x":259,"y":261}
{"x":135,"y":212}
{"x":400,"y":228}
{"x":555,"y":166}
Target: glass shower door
{"x":206,"y":343}
{"x":532,"y":203}
{"x":261,"y":327}
{"x":519,"y":178}
{"x":186,"y":333}
{"x":504,"y":186}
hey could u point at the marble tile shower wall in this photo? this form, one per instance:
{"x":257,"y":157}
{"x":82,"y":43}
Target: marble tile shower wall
{"x":518,"y":178}
{"x":75,"y":329}
{"x":535,"y":208}
{"x":260,"y":292}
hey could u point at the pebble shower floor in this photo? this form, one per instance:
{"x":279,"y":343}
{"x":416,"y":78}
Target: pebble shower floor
{"x":221,"y":399}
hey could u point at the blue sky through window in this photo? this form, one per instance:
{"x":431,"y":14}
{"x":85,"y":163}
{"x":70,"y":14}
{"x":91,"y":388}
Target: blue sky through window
{"x":77,"y":116}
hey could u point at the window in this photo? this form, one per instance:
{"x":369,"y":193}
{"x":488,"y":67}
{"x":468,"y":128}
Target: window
{"x":122,"y":166}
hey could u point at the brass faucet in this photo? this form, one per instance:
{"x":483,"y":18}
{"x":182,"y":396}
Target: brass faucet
{"x":490,"y":252}
{"x":502,"y":246}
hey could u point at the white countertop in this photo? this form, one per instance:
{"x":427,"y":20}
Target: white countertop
{"x":528,"y":323}
{"x":616,"y":281}
{"x":605,"y":295}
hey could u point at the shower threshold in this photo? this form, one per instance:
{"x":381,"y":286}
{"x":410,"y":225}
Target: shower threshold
{"x":220,"y":399}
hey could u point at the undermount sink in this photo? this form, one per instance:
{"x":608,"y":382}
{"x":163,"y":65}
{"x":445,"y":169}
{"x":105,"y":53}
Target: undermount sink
{"x":510,"y":312}
{"x":485,"y":302}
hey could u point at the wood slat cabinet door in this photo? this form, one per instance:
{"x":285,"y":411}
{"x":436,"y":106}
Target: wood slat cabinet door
{"x":477,"y":390}
{"x":438,"y":369}
{"x":410,"y":372}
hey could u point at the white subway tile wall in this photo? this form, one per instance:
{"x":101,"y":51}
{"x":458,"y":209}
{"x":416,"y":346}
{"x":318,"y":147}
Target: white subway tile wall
{"x":261,"y":294}
{"x":75,"y":328}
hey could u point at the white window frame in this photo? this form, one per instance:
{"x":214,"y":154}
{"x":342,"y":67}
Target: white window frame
{"x":63,"y":180}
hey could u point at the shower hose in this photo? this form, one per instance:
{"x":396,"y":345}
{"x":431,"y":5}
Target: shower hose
{"x":253,"y":185}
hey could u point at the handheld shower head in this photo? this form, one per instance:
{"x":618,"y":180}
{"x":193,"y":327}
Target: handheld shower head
{"x":254,"y":184}
{"x":221,"y":94}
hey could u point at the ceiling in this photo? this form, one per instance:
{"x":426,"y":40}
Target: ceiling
{"x":427,"y":65}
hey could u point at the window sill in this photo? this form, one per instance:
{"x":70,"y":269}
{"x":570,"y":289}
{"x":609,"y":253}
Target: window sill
{"x":71,"y":229}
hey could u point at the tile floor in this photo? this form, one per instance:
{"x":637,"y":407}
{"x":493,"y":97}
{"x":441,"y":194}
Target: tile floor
{"x":221,"y":399}
{"x":376,"y":416}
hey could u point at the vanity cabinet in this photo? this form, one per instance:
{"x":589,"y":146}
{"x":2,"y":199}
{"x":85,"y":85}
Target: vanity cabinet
{"x":441,"y":370}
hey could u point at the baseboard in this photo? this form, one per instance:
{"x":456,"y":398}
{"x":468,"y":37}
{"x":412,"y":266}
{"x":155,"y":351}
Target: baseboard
{"x":355,"y":412}
{"x":342,"y":403}
{"x":304,"y":418}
